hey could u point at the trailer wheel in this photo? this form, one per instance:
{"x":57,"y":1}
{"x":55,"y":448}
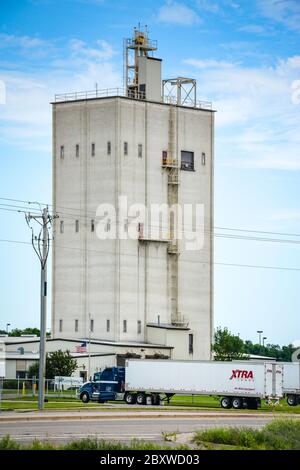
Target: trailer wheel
{"x":226,"y":402}
{"x":140,"y":399}
{"x":130,"y":398}
{"x":237,"y":403}
{"x":84,"y":397}
{"x":292,"y":400}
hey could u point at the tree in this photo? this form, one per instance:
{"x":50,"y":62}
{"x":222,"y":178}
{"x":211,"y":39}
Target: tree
{"x":26,"y":331}
{"x":227,"y":346}
{"x":58,"y":363}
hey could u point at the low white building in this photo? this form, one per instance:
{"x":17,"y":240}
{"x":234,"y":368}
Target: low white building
{"x":20,"y":353}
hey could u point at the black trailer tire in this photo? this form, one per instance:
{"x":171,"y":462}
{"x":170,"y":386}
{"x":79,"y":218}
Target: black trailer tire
{"x":141,"y":399}
{"x":292,"y":400}
{"x":237,"y":403}
{"x":130,"y":398}
{"x":84,"y":397}
{"x":226,"y":402}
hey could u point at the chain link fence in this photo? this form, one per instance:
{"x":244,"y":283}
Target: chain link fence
{"x":17,"y":388}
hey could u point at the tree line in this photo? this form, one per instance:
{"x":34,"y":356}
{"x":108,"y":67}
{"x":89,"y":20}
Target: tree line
{"x":227,"y":346}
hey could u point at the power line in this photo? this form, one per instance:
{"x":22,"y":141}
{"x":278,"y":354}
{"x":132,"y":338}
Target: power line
{"x":93,"y":213}
{"x":186,"y":232}
{"x":281,"y":268}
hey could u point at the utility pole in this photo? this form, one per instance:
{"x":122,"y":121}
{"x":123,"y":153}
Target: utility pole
{"x":89,"y":363}
{"x":41,"y":245}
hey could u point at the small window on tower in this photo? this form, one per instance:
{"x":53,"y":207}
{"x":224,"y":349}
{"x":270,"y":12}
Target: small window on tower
{"x":60,"y":326}
{"x":92,"y":326}
{"x":77,"y":150}
{"x":203,"y":158}
{"x":61,"y":226}
{"x":92,"y":226}
{"x":62,"y":151}
{"x":191,"y":344}
{"x":124,"y":326}
{"x":187,"y":160}
{"x":76,"y":226}
{"x":93,"y":150}
{"x":139,"y":327}
{"x":108,"y":326}
{"x":140,"y":151}
{"x":125,"y":148}
{"x":108,"y":148}
{"x":76,"y":326}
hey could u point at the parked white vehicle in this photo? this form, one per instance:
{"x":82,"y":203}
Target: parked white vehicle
{"x":291,"y":382}
{"x":240,"y":384}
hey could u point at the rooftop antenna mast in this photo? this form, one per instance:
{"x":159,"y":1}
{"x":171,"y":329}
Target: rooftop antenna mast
{"x":138,"y":45}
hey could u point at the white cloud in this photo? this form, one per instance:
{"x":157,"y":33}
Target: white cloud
{"x":252,"y":29}
{"x":27,"y":42}
{"x":286,"y":12}
{"x":26,"y":117}
{"x":257,"y":123}
{"x":208,"y":5}
{"x":80,"y":49}
{"x":177,"y":13}
{"x":209,"y":63}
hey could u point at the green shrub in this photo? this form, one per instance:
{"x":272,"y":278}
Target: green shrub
{"x":277,"y":435}
{"x":6,"y":443}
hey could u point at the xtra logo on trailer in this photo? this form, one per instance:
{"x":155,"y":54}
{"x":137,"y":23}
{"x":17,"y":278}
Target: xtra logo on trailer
{"x":242,"y":374}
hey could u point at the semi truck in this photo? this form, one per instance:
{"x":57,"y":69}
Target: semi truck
{"x":291,"y":382}
{"x":239,"y":384}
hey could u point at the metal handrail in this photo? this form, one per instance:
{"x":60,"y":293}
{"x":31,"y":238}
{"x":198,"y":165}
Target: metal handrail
{"x":110,"y":92}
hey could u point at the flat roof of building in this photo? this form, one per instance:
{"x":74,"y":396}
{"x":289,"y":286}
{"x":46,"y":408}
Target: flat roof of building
{"x":21,"y":340}
{"x":113,"y":93}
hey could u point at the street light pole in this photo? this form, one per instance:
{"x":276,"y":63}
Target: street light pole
{"x":264,"y":338}
{"x":7,"y":326}
{"x":260,"y":333}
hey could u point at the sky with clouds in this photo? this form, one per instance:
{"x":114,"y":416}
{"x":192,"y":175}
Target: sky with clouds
{"x":246,"y":58}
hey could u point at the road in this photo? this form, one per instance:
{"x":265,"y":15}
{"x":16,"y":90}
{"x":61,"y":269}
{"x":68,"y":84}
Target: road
{"x":121,"y":428}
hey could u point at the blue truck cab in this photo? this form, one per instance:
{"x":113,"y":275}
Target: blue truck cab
{"x":106,"y":385}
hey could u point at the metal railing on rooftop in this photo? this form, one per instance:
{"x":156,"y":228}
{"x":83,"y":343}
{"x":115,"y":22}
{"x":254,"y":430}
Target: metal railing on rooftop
{"x":133,"y":94}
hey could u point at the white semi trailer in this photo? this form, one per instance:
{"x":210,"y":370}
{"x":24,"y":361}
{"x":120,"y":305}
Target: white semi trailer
{"x":240,"y":384}
{"x":291,"y":382}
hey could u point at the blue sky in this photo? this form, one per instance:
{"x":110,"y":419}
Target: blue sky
{"x":246,"y":58}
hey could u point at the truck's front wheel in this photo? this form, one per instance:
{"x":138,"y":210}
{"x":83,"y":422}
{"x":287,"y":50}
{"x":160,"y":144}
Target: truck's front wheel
{"x":292,"y":400}
{"x":84,"y":397}
{"x":226,"y":402}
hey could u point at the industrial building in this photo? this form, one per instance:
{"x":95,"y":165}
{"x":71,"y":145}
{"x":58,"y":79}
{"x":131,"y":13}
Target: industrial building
{"x":120,"y":277}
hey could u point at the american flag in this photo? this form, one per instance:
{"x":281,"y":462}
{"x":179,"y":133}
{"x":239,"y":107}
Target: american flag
{"x":81,"y":348}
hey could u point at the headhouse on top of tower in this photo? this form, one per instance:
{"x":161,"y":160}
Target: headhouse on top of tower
{"x":142,"y":78}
